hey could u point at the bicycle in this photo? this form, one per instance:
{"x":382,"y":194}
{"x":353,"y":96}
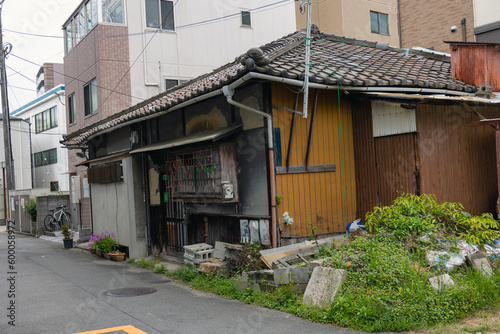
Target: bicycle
{"x":56,"y":219}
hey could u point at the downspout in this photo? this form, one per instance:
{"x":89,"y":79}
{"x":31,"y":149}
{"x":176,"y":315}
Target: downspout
{"x":399,"y":25}
{"x":31,"y":159}
{"x":229,"y":92}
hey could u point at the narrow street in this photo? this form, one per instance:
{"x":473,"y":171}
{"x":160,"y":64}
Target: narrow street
{"x":62,"y":291}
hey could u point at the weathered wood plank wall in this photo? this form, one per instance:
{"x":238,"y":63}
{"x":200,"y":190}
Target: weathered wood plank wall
{"x":327,"y":199}
{"x":458,"y":162}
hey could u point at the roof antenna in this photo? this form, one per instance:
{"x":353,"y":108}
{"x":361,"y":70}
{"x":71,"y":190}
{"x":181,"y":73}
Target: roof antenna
{"x":305,"y":88}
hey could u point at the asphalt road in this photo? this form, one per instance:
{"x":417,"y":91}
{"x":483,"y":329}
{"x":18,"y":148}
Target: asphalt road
{"x":46,"y":289}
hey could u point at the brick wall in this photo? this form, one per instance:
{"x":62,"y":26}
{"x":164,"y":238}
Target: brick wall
{"x":427,"y":23}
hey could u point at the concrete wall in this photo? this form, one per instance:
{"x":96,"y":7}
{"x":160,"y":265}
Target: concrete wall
{"x":352,"y":18}
{"x":46,"y":140}
{"x":115,"y":209}
{"x":427,"y":23}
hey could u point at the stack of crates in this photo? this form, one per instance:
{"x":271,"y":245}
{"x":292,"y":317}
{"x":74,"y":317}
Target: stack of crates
{"x":198,"y":253}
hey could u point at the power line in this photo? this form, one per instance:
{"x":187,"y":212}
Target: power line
{"x":17,"y":72}
{"x":220,"y":18}
{"x":79,"y":80}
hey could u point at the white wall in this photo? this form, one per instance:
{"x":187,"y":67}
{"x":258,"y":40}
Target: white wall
{"x":113,"y":210}
{"x":485,"y":12}
{"x":195,"y":50}
{"x":46,"y":140}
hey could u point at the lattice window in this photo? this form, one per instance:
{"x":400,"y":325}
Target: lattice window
{"x":195,"y":174}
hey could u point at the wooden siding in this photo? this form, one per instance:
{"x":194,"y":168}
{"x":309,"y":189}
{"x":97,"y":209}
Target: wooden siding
{"x":457,"y":162}
{"x":321,"y":197}
{"x":364,"y":154}
{"x":485,"y":68}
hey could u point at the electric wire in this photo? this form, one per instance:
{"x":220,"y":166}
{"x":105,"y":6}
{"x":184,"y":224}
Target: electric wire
{"x":220,"y":18}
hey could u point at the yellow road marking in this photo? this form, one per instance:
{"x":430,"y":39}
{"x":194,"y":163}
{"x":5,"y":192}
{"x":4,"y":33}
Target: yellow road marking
{"x":127,"y":329}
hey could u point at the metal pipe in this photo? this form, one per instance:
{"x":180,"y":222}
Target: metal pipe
{"x":294,"y":82}
{"x":228,"y":92}
{"x":307,"y":60}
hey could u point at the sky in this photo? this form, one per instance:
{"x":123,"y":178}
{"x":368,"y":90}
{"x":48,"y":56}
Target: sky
{"x":40,"y":17}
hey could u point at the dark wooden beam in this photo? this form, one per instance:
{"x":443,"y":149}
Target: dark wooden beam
{"x":292,"y":130}
{"x":311,"y":128}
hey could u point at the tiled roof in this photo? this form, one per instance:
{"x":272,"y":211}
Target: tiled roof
{"x":352,"y":62}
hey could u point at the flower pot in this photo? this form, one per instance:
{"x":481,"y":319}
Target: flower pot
{"x":92,"y":251}
{"x":117,"y":256}
{"x":68,"y":243}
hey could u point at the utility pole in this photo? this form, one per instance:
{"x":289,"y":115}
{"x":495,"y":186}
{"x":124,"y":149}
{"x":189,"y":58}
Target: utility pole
{"x":307,"y":61}
{"x":9,"y":161}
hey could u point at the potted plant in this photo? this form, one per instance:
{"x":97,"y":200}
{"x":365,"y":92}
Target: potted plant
{"x":68,"y":241}
{"x":113,"y":252}
{"x":94,"y":243}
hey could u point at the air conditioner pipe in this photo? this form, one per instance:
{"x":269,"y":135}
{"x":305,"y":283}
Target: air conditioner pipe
{"x":228,"y":93}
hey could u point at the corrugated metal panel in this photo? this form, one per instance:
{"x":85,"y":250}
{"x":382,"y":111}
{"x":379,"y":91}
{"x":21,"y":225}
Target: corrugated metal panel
{"x":390,"y":119}
{"x":364,"y":153}
{"x":396,"y":166}
{"x":457,"y":162}
{"x":318,"y":197}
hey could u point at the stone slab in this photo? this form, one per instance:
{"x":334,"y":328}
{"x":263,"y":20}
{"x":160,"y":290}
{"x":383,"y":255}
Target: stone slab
{"x":213,"y":268}
{"x":323,"y":286}
{"x":291,"y":275}
{"x":481,"y":263}
{"x":441,"y":282}
{"x":258,"y":276}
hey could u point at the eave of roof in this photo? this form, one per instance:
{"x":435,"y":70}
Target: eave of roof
{"x":336,"y":62}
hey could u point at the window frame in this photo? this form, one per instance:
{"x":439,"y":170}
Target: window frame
{"x":46,"y":120}
{"x":71,"y":109}
{"x":44,"y":158}
{"x":379,"y":28}
{"x":246,"y":14}
{"x":160,"y":20}
{"x":90,"y":104}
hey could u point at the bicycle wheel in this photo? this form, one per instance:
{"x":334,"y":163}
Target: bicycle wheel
{"x":50,"y":223}
{"x":66,"y":219}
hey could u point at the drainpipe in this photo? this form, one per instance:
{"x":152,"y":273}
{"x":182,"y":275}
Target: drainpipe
{"x":229,"y":92}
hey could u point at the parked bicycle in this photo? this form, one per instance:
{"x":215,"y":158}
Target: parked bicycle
{"x":56,"y":219}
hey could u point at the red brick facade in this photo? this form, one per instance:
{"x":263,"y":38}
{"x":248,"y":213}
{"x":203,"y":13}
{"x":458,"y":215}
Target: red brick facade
{"x":107,"y":60}
{"x":427,"y":23}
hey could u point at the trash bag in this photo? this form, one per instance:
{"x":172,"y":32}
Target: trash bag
{"x":466,"y":248}
{"x":492,"y":252}
{"x":355,"y":225}
{"x":496,"y":243}
{"x":444,"y":260}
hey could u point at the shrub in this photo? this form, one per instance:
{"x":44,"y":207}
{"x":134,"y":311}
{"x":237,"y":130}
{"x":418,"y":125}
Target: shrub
{"x":30,"y":208}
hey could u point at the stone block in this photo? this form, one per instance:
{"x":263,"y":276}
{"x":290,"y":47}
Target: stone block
{"x":316,"y":263}
{"x":441,"y":282}
{"x":212,"y":267}
{"x":291,"y":275}
{"x":323,"y":286}
{"x":481,"y":263}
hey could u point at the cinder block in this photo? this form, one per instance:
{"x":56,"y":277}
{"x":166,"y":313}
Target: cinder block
{"x":291,"y":275}
{"x":441,"y":282}
{"x":323,"y":286}
{"x":258,"y":276}
{"x":198,"y":253}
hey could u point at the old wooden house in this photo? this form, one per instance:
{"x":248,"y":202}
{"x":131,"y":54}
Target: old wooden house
{"x":229,"y":156}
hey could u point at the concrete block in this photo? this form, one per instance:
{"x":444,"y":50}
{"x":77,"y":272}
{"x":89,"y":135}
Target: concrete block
{"x":315,"y":263}
{"x":481,"y":263}
{"x":291,"y":275}
{"x":258,"y":276}
{"x":441,"y":282}
{"x":323,"y":286}
{"x":223,"y":250}
{"x":212,"y":267}
{"x":198,"y":253}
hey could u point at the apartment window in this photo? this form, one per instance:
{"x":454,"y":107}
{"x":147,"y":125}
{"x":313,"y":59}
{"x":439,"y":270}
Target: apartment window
{"x":379,"y":23}
{"x":71,"y":109}
{"x":54,"y":186}
{"x":171,"y":83}
{"x":90,"y":97}
{"x":79,"y":26}
{"x":245,"y":19}
{"x":46,"y":120}
{"x":46,"y":157}
{"x":160,"y":14}
{"x":112,"y":11}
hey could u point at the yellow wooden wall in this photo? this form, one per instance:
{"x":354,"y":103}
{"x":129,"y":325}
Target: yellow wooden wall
{"x":322,"y":196}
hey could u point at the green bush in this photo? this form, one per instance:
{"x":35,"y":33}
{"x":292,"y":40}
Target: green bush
{"x":30,"y":208}
{"x":412,"y":215}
